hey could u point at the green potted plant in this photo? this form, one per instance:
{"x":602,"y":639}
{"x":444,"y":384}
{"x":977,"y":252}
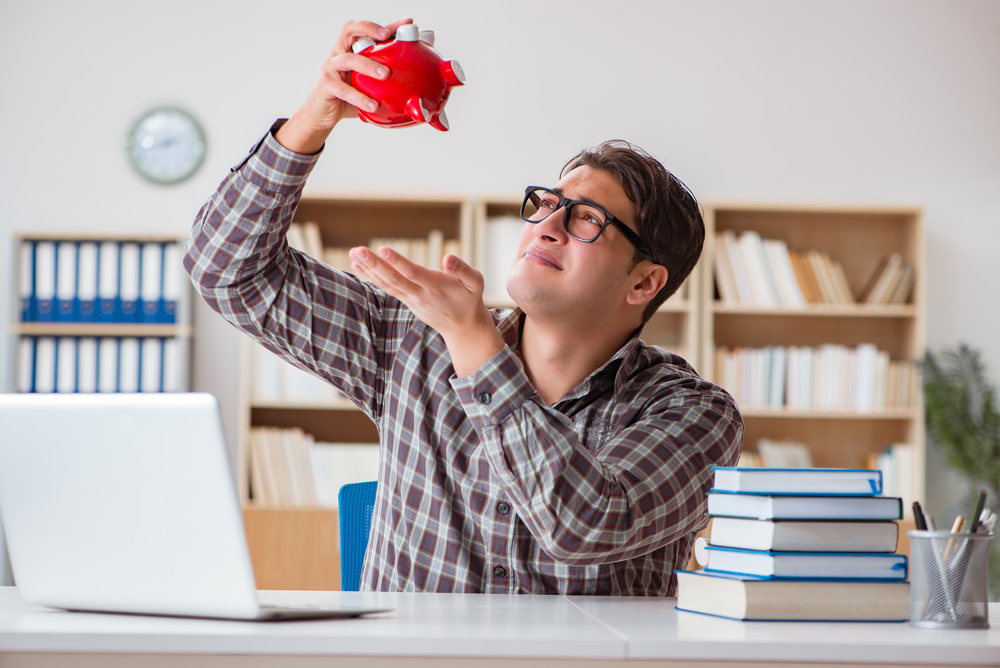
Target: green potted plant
{"x":964,"y":420}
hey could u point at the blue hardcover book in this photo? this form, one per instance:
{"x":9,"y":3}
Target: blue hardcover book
{"x":743,"y":597}
{"x":26,"y":280}
{"x":811,"y":565}
{"x":811,"y":507}
{"x":108,"y":297}
{"x":825,"y":482}
{"x":173,"y":281}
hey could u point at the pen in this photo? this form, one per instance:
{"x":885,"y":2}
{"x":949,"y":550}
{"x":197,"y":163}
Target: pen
{"x":918,"y":517}
{"x":956,"y":527}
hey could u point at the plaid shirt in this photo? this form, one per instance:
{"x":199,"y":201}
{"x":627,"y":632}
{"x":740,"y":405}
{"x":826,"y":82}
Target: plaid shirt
{"x":482,"y":486}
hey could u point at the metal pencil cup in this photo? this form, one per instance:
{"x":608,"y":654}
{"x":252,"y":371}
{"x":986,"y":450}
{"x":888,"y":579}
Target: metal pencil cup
{"x":948,"y":580}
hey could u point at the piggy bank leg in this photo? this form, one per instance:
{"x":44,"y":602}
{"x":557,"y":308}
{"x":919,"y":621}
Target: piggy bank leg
{"x":440,"y":121}
{"x":415,"y":108}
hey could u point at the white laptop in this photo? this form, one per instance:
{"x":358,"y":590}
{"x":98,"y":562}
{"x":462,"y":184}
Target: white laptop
{"x":126,"y":503}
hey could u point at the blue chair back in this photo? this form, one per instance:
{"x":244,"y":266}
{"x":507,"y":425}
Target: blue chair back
{"x":356,"y":503}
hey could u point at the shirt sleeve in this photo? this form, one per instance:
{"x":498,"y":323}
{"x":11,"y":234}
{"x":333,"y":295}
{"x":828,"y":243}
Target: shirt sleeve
{"x":321,"y":320}
{"x":644,"y":488}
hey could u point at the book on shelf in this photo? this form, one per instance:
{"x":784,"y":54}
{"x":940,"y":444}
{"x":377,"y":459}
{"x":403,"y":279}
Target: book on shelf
{"x":813,"y":565}
{"x":828,"y":377}
{"x":749,"y":598}
{"x":890,"y":283}
{"x":274,"y":380}
{"x":289,"y":468}
{"x":798,"y":536}
{"x":896,"y":464}
{"x":776,"y":454}
{"x":87,"y":281}
{"x":425,"y":251}
{"x":813,"y":507}
{"x":820,"y":481}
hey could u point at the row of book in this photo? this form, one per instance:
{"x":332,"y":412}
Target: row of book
{"x":828,"y":377}
{"x":775,"y":454}
{"x":275,"y":381}
{"x":805,"y":544}
{"x":751,"y":270}
{"x":427,"y":252}
{"x":72,"y":364}
{"x":289,"y":468}
{"x":99,"y":281}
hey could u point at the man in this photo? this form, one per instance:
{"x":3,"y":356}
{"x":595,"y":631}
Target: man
{"x":539,"y":450}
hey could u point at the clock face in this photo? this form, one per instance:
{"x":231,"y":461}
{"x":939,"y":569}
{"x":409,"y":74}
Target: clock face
{"x":166,"y":145}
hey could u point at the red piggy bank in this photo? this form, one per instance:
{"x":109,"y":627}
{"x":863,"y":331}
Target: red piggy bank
{"x":419,"y":82}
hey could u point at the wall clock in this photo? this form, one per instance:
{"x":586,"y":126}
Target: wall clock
{"x":166,"y":145}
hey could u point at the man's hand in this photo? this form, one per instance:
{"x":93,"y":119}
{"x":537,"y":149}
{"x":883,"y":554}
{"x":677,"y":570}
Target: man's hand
{"x":450,"y":301}
{"x":332,"y":99}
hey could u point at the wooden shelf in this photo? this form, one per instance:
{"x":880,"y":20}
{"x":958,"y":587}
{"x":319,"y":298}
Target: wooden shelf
{"x":895,"y":414}
{"x":338,"y":405}
{"x":821,"y":311}
{"x":99,"y":329}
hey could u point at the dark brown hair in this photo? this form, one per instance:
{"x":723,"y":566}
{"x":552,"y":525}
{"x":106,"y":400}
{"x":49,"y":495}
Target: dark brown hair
{"x":667,"y":215}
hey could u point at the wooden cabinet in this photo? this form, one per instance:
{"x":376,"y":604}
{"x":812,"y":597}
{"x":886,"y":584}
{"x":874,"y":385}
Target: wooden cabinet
{"x":693,"y":323}
{"x":100,"y":313}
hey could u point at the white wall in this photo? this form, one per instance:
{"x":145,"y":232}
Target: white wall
{"x":840,"y":101}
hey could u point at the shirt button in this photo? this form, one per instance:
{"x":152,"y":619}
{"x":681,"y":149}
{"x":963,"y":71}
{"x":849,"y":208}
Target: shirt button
{"x":503,"y":508}
{"x":500,"y":571}
{"x":485,"y":398}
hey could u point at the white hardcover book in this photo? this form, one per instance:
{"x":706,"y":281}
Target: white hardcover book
{"x":740,"y":272}
{"x":107,"y":372}
{"x":724,"y":274}
{"x":320,"y":482}
{"x":502,"y":236}
{"x":298,"y":495}
{"x":783,"y":284}
{"x":86,"y":285}
{"x":435,"y":249}
{"x":770,"y":507}
{"x":173,"y":370}
{"x":881,"y":395}
{"x":276,"y":463}
{"x":807,"y":564}
{"x":66,"y":364}
{"x":173,"y":279}
{"x":761,"y":283}
{"x":128,"y":365}
{"x":45,"y":364}
{"x":792,"y":536}
{"x":313,"y":240}
{"x":45,"y":280}
{"x":65,"y":279}
{"x":296,"y":238}
{"x":25,"y":282}
{"x":152,"y":360}
{"x":260,"y":478}
{"x":86,"y":359}
{"x":864,"y":385}
{"x":807,"y":367}
{"x":266,"y":375}
{"x":779,"y":372}
{"x":25,"y":362}
{"x":151,"y":290}
{"x":798,"y":299}
{"x":107,"y":285}
{"x":128,"y":287}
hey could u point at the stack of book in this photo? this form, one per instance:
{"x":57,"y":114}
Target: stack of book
{"x":799,"y":544}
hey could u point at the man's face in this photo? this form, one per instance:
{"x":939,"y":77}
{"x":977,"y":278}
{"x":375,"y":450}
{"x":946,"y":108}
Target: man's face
{"x":555,"y":275}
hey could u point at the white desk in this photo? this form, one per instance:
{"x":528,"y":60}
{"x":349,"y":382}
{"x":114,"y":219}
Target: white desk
{"x":444,"y":630}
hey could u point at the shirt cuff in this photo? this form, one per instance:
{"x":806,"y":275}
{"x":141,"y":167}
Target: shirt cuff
{"x":274,"y":168}
{"x":497,"y":389}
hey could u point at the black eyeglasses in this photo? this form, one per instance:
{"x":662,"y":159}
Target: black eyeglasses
{"x":584,"y":221}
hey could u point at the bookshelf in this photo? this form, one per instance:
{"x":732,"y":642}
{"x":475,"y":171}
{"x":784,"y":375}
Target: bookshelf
{"x":298,"y":547}
{"x":88,"y":320}
{"x":674,"y":326}
{"x":858,"y":238}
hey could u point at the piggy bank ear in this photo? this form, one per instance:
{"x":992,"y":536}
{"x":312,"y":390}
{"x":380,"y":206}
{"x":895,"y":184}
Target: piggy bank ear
{"x":440,"y":122}
{"x":416,"y":110}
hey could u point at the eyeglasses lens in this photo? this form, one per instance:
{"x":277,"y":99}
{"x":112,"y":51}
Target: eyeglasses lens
{"x":582,"y":221}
